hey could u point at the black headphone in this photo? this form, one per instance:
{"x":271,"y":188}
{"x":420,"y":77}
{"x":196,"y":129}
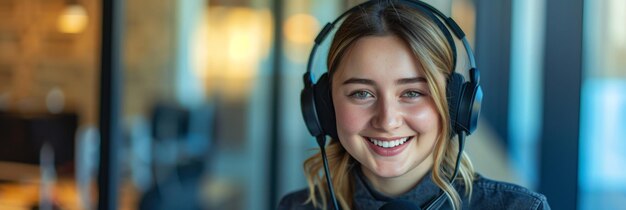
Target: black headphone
{"x":464,"y":97}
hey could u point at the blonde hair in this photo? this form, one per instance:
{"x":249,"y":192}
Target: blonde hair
{"x":434,"y":54}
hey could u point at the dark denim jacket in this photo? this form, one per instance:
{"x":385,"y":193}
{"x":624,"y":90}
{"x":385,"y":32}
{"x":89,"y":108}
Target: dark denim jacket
{"x":486,"y":194}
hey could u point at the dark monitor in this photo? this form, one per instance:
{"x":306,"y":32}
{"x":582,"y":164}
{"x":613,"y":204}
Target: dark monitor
{"x":23,"y":135}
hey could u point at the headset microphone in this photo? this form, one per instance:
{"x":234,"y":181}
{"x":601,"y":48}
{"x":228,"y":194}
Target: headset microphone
{"x":321,"y":141}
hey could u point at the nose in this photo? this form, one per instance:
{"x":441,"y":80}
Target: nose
{"x":388,"y":115}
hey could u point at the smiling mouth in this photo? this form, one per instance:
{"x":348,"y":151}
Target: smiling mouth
{"x":389,"y":143}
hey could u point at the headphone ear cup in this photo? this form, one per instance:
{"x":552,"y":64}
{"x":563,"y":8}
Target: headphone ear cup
{"x":454,"y":91}
{"x":469,"y":108}
{"x":309,"y":113}
{"x":324,"y":106}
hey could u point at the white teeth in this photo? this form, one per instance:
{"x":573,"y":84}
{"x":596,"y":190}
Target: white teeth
{"x":388,"y":144}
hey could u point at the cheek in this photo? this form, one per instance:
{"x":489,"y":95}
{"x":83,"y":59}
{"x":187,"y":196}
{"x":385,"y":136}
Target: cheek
{"x":350,"y":119}
{"x":424,"y":118}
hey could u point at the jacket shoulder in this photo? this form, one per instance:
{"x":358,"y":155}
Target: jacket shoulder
{"x":489,"y":193}
{"x":295,"y":201}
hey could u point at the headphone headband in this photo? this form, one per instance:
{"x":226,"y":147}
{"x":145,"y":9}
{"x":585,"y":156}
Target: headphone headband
{"x":429,"y":10}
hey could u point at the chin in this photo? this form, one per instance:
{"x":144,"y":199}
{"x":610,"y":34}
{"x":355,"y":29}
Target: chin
{"x":399,"y":168}
{"x":389,"y":170}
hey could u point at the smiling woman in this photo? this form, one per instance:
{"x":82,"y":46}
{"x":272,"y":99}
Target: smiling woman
{"x":379,"y":111}
{"x":397,"y":113}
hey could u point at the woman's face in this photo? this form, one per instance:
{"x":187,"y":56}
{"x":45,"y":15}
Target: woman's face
{"x":386,"y":118}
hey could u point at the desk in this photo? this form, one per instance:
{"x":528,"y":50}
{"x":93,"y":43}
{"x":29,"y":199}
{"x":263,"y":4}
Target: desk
{"x":23,"y":193}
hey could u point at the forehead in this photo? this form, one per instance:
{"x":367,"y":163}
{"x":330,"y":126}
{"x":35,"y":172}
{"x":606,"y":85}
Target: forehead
{"x":378,"y":57}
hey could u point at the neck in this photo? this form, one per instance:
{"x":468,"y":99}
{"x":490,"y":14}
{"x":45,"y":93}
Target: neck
{"x":396,"y":186}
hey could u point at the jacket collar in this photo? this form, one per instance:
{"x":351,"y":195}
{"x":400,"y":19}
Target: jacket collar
{"x":366,"y":197}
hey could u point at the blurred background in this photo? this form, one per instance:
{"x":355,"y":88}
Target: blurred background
{"x":194,"y":104}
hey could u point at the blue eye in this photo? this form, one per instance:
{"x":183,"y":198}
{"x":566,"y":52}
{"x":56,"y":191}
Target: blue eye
{"x":361,"y":94}
{"x":411,"y":94}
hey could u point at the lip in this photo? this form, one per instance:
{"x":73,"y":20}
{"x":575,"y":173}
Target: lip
{"x":388,"y":152}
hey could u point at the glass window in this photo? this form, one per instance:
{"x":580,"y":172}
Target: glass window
{"x":49,"y":70}
{"x":603,"y":116}
{"x":526,"y":89}
{"x":196,"y":104}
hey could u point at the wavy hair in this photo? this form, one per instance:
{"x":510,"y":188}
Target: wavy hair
{"x":433,"y":53}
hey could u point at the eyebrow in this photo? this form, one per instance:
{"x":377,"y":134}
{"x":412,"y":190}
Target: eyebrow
{"x":402,"y":81}
{"x":358,"y":81}
{"x":411,"y":80}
